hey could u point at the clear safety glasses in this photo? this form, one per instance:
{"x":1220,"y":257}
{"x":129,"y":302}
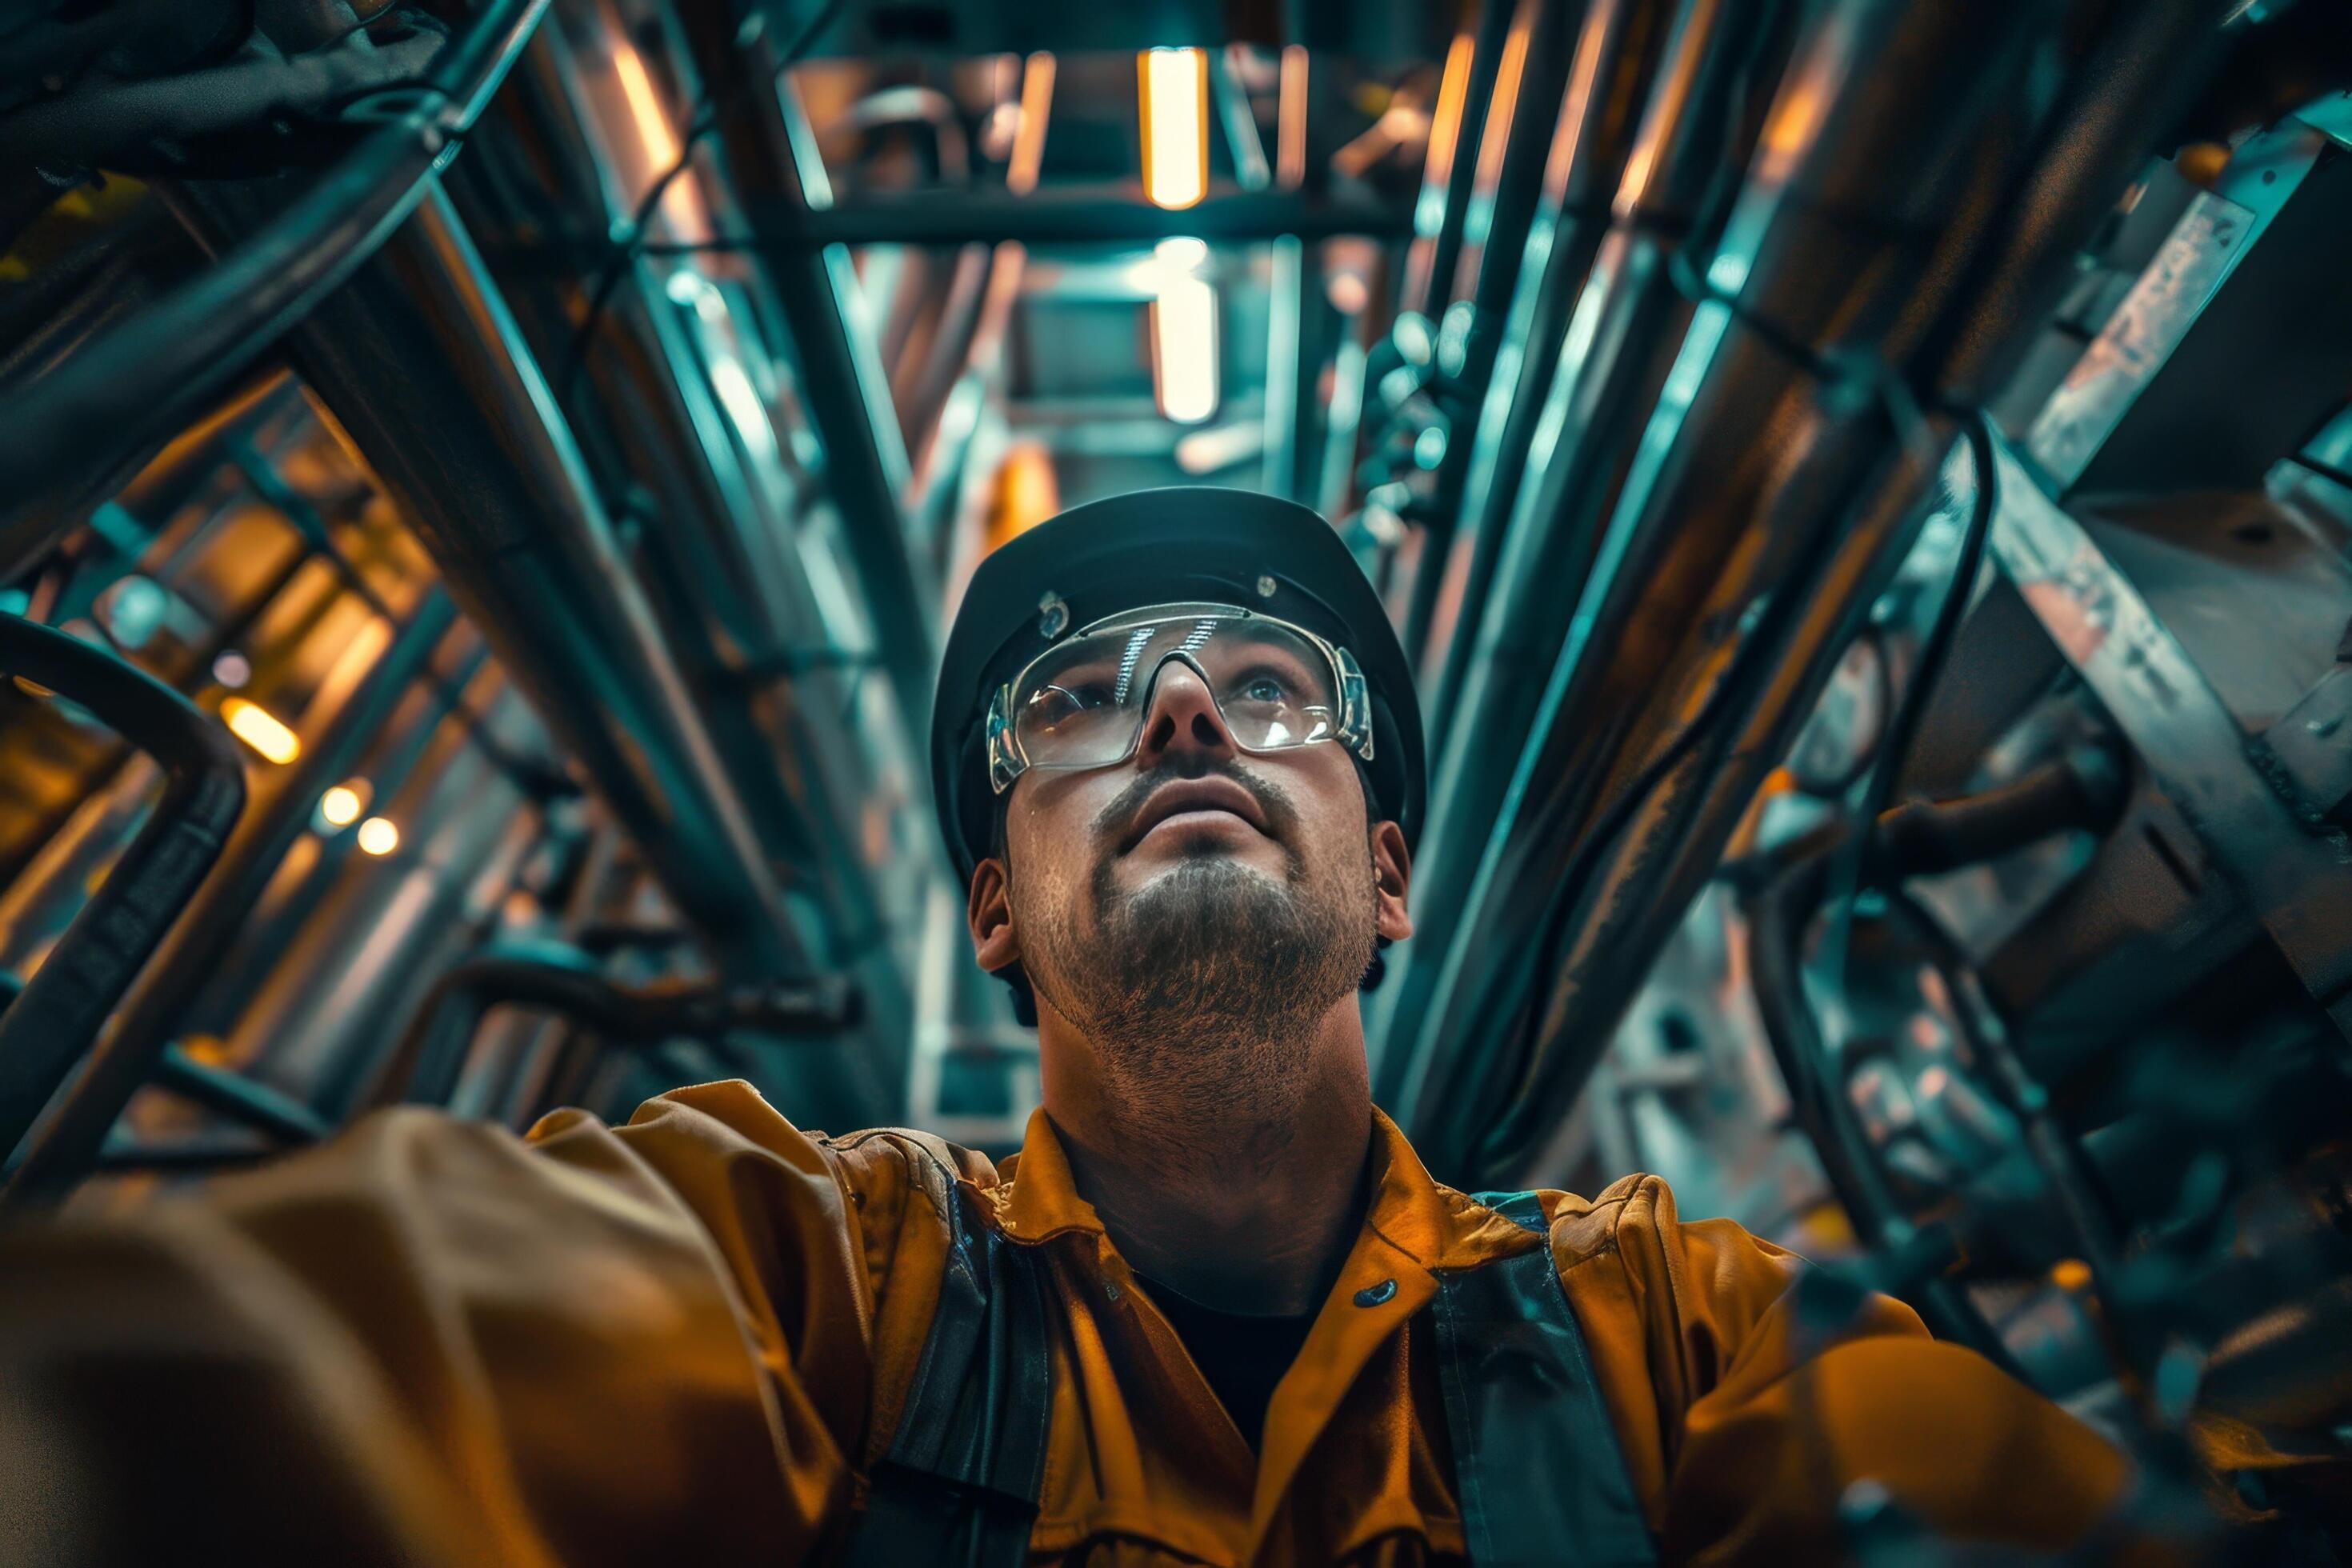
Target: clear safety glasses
{"x":1081,"y":704}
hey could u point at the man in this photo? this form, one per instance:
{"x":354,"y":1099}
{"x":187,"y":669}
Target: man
{"x":1215,"y":1311}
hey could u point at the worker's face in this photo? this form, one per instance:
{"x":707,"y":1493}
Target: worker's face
{"x":1195,"y":886}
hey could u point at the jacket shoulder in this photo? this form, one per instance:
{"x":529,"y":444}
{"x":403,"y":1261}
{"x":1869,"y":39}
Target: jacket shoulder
{"x":1634,"y":1213}
{"x":880,"y":1160}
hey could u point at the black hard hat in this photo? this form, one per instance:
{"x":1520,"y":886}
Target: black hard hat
{"x":1185,"y":545}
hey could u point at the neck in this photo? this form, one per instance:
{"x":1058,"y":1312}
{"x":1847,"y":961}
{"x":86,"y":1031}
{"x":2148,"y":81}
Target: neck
{"x":1240,"y":1188}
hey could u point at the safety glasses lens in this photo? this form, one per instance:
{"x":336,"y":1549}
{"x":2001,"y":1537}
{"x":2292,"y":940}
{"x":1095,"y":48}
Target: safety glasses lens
{"x":1081,"y":705}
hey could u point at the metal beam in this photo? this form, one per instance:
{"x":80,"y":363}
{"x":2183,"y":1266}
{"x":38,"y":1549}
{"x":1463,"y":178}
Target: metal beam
{"x":1069,"y":216}
{"x":2289,"y":872}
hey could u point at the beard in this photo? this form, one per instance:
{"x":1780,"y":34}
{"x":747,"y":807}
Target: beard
{"x":1200,"y":985}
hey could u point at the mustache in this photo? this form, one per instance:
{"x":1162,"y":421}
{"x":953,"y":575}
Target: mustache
{"x":1281,"y":813}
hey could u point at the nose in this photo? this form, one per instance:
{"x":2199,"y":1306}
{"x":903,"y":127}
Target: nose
{"x":1181,"y":719}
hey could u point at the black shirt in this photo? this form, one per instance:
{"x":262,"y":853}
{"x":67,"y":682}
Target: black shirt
{"x":1242,"y":1357}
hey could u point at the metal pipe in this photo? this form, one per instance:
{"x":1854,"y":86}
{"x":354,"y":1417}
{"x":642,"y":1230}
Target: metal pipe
{"x":152,"y":1010}
{"x":239,"y":1099}
{"x":1238,"y":122}
{"x":1621,"y":344}
{"x":1454,"y":125}
{"x":772,"y":155}
{"x":733,"y":591}
{"x":1756,"y":487}
{"x":724,"y":539}
{"x":1291,"y":296}
{"x":426,"y":374}
{"x":1616,"y":55}
{"x":47,"y":1031}
{"x":935,"y":361}
{"x":424,"y":1069}
{"x":151,"y":375}
{"x":1504,"y":198}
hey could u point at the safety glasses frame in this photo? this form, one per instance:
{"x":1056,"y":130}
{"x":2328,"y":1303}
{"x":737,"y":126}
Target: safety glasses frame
{"x":1352,"y":726}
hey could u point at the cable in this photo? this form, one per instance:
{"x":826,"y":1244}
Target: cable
{"x":700,"y":124}
{"x":1833,"y":367}
{"x":1910,"y":710}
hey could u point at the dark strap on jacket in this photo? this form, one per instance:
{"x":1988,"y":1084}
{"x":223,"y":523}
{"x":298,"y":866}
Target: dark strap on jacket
{"x":1535,"y":1461}
{"x":1536,"y":1465}
{"x":960,"y":1483}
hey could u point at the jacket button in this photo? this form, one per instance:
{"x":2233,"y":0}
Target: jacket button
{"x":1110,"y":1289}
{"x":1373,"y":1295}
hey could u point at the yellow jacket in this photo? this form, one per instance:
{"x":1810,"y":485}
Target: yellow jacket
{"x":685,"y":1340}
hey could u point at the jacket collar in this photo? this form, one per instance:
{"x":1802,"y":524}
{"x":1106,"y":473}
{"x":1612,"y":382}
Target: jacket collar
{"x":1422,"y":1222}
{"x":1414,"y":1230}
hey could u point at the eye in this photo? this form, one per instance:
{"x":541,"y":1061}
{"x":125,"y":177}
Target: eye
{"x":1264,"y":685}
{"x":1059,"y":704}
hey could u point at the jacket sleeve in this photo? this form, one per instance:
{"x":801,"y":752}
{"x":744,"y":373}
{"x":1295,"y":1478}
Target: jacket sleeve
{"x":1746,"y":1425}
{"x":434,"y":1341}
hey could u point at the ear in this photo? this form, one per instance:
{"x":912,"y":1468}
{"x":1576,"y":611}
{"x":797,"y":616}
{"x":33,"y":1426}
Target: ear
{"x":1391,"y":876}
{"x":988,"y":910}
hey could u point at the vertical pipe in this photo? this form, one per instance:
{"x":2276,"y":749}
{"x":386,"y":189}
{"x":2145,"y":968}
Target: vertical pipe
{"x":1616,"y":52}
{"x":1507,"y":186}
{"x":1620,"y":342}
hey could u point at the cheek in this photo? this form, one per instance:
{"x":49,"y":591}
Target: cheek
{"x":1334,"y":814}
{"x":1046,"y":835}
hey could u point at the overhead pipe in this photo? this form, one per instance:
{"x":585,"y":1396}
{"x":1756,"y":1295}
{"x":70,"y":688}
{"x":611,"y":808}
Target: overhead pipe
{"x":421,"y":364}
{"x":1745,"y":419}
{"x":740,"y":596}
{"x":1769,"y":508}
{"x":46,"y":1030}
{"x":1616,"y":56}
{"x":960,"y":370}
{"x":732,"y":590}
{"x":771,"y":158}
{"x":1963,"y":341}
{"x":1508,"y":182}
{"x":1456,"y":124}
{"x":926,"y":370}
{"x":150,"y":375}
{"x":1621,"y":341}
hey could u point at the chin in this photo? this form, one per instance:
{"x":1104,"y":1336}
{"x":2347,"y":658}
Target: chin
{"x":1208,"y":866}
